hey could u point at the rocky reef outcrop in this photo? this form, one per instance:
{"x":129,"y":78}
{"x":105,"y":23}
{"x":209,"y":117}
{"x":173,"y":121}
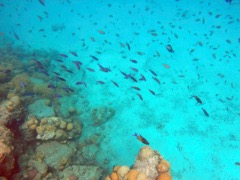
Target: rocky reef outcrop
{"x":149,"y":165}
{"x":11,"y":113}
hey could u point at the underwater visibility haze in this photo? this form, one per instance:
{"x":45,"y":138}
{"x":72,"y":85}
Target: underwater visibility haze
{"x":119,"y":89}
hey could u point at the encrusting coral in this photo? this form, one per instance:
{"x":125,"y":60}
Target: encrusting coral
{"x":6,"y":151}
{"x":51,"y":128}
{"x":10,"y":110}
{"x":149,"y":165}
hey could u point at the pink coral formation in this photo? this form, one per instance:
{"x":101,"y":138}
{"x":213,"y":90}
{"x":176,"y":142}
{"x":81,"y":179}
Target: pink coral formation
{"x":6,"y":151}
{"x":149,"y":165}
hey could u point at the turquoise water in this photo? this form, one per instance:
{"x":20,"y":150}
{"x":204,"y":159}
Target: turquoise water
{"x":200,"y":140}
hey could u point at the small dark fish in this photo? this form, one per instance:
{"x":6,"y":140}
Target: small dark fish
{"x":197,"y":99}
{"x":39,"y":64}
{"x":16,"y":36}
{"x":156,"y":79}
{"x":80,"y":82}
{"x":64,"y":67}
{"x":114,"y":83}
{"x":142,"y":139}
{"x":58,"y":60}
{"x":68,"y":90}
{"x":142,"y":78}
{"x":73,"y":53}
{"x":100,"y":82}
{"x":51,"y":86}
{"x":40,"y":18}
{"x":169,"y":48}
{"x":134,"y":69}
{"x":133,"y":61}
{"x":237,"y":163}
{"x":135,"y":87}
{"x":69,"y":71}
{"x":78,"y":64}
{"x":139,"y":95}
{"x":94,"y":57}
{"x":56,"y":73}
{"x":42,"y":2}
{"x":61,"y":79}
{"x":134,"y":79}
{"x":155,"y":74}
{"x":205,"y":112}
{"x":90,"y":69}
{"x":57,"y":96}
{"x":151,"y":91}
{"x":126,"y":76}
{"x":128,"y":46}
{"x":104,"y":69}
{"x":64,"y":55}
{"x":44,"y":72}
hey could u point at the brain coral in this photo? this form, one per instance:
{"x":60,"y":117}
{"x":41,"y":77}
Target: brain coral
{"x":54,"y":128}
{"x":145,"y":153}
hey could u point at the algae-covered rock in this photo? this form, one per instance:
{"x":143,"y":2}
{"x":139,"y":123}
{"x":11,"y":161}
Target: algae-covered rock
{"x":54,"y":153}
{"x":102,"y":114}
{"x":81,"y":172}
{"x":40,"y":109}
{"x":89,"y":152}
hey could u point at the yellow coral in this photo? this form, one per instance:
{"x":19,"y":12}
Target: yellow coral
{"x":141,"y":176}
{"x":145,"y":153}
{"x":69,"y":126}
{"x":33,"y":127}
{"x":40,"y":130}
{"x":122,"y":171}
{"x":63,"y":125}
{"x":59,"y":133}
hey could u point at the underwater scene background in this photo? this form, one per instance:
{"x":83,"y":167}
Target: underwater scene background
{"x":86,"y":84}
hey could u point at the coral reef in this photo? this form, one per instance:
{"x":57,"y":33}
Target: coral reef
{"x":50,"y":128}
{"x":81,"y":172}
{"x":6,"y":151}
{"x":149,"y":165}
{"x":34,"y":144}
{"x":10,"y":110}
{"x":20,"y":84}
{"x":101,"y":114}
{"x":40,"y":109}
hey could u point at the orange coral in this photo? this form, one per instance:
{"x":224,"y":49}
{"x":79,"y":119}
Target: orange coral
{"x":122,"y":171}
{"x":114,"y":176}
{"x":163,"y":166}
{"x":107,"y":178}
{"x":164,"y":176}
{"x":115,"y":169}
{"x":132,"y":174}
